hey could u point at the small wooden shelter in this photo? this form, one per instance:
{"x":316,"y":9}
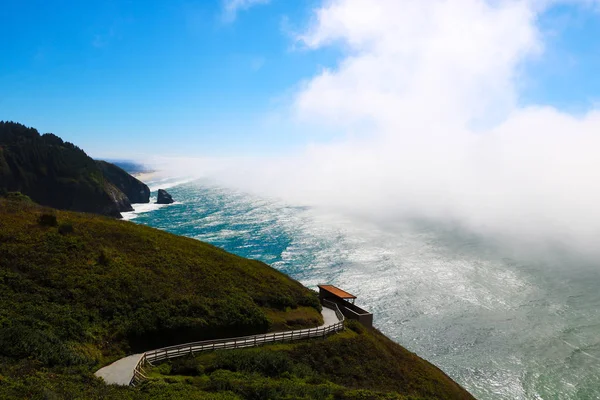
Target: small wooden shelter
{"x":329,"y":291}
{"x":345,"y":302}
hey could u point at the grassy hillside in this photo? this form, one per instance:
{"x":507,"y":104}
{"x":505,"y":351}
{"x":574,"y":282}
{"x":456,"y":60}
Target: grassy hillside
{"x":358,"y":363}
{"x":79,"y":291}
{"x":77,"y":288}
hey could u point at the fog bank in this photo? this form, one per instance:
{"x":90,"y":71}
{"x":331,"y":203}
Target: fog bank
{"x":428,"y":95}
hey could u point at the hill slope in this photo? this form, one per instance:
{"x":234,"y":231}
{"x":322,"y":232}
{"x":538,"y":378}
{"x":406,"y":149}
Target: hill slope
{"x":121,"y":287}
{"x":59,"y":174}
{"x":358,"y":363}
{"x":79,"y":291}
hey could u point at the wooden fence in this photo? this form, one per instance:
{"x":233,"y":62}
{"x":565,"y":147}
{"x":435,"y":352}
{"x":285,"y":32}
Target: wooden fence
{"x":138,"y":372}
{"x":188,"y":349}
{"x":333,"y":306}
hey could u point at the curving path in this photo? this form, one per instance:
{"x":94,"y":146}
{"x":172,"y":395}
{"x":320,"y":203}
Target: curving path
{"x":121,"y":371}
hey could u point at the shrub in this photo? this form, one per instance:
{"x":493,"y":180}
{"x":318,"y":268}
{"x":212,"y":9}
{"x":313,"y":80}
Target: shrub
{"x":103,"y":258}
{"x":266,"y":363}
{"x":65,"y":228}
{"x":17,"y":196}
{"x":20,"y":341}
{"x":186,"y":366}
{"x":47,"y":220}
{"x":355,"y":326}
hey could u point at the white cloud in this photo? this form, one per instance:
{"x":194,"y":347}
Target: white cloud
{"x":438,"y":83}
{"x":428,"y":92}
{"x":428,"y":95}
{"x":232,"y":7}
{"x":456,"y":58}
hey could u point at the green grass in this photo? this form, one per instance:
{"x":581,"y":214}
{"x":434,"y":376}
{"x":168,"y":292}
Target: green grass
{"x":80,"y":290}
{"x":296,"y":318}
{"x":83,"y":289}
{"x":32,"y":382}
{"x":358,"y":363}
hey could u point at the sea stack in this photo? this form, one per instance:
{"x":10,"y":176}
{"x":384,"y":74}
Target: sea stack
{"x":164,"y":197}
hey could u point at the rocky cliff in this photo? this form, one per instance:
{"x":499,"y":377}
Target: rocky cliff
{"x":163,"y":197}
{"x":118,"y":197}
{"x":135,"y":190}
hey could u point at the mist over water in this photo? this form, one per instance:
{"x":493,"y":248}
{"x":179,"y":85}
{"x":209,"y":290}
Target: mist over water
{"x":504,"y":322}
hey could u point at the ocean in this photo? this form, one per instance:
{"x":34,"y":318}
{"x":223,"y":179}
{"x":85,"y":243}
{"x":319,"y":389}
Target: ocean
{"x":503,"y":325}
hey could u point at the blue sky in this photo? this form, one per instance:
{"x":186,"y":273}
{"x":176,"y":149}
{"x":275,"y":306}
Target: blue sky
{"x":566,"y":75}
{"x":183,"y":78}
{"x":127,"y":71}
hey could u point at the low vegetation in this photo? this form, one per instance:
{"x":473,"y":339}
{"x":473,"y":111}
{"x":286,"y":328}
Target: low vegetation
{"x":79,"y":291}
{"x":358,"y":363}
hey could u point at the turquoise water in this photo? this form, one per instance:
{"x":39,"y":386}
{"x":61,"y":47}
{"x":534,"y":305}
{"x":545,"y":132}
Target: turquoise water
{"x":504,"y":325}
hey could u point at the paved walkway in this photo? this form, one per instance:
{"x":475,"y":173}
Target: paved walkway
{"x":121,"y":371}
{"x":329,"y":317}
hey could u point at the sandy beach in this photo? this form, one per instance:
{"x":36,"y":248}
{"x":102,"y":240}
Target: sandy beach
{"x":146,"y":176}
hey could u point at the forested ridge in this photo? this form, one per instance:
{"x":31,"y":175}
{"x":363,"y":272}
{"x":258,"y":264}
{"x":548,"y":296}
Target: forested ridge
{"x":56,"y":173}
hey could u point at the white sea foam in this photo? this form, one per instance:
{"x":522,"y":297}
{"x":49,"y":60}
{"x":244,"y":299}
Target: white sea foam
{"x":154,"y":185}
{"x":142,"y":208}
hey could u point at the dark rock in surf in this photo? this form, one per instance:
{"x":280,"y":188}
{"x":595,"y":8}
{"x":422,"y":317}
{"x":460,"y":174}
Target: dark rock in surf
{"x":164,"y":197}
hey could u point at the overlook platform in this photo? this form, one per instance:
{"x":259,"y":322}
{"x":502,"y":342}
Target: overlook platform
{"x":345,"y":302}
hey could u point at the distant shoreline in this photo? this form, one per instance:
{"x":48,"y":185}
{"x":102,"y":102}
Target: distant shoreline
{"x":145,"y":176}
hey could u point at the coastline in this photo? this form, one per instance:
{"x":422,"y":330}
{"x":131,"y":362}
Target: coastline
{"x":145,"y":176}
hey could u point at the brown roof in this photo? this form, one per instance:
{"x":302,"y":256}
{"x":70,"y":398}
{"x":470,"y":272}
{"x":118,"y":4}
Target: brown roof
{"x":337,"y":292}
